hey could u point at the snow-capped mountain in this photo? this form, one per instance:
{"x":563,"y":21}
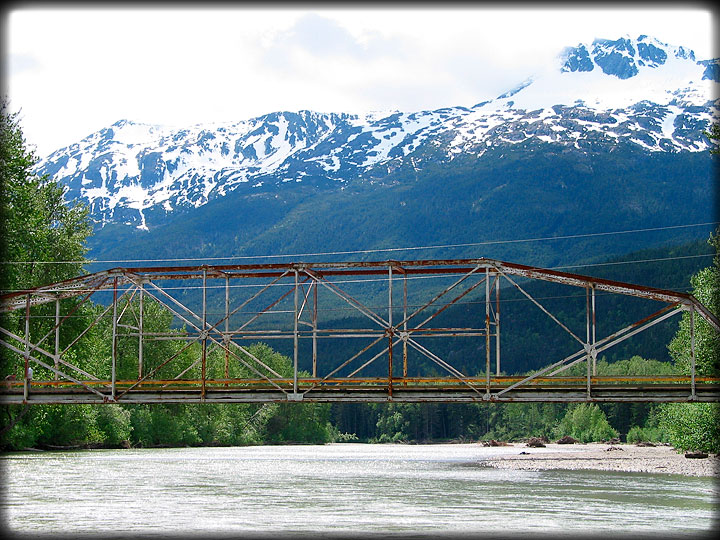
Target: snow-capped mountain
{"x":638,"y":92}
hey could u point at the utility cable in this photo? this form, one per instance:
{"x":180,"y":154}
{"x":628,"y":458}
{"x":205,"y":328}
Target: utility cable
{"x":368,"y":251}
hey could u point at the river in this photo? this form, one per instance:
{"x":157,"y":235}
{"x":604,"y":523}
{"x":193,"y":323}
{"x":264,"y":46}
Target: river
{"x":336,"y":488}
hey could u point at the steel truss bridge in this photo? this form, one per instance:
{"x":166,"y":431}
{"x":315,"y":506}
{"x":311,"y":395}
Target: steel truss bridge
{"x":286,"y":302}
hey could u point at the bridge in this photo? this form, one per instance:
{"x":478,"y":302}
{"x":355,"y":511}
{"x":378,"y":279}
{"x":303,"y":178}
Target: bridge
{"x":206,"y":356}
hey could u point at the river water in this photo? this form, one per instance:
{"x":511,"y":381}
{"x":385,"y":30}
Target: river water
{"x":336,"y":488}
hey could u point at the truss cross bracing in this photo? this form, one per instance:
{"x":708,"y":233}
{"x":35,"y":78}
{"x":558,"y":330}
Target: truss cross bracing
{"x":219,"y":312}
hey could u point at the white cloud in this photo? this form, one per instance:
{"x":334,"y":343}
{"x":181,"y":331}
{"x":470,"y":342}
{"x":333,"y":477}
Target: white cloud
{"x":74,"y":71}
{"x":19,"y":63}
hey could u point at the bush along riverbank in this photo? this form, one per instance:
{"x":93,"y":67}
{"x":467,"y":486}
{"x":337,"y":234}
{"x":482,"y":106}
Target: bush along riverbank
{"x":63,"y":427}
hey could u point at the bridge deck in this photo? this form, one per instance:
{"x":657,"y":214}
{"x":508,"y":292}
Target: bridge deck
{"x":562,"y":389}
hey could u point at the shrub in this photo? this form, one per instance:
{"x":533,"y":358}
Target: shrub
{"x":692,"y":426}
{"x":113,"y":422}
{"x":649,"y":434}
{"x":586,"y":423}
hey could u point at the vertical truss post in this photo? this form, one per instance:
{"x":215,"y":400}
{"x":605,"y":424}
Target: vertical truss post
{"x":113,"y":368}
{"x":390,"y":332}
{"x":487,"y":331}
{"x":497,"y":325}
{"x":203,"y":359}
{"x":405,"y":326}
{"x":594,"y":340}
{"x":57,"y":338}
{"x":26,"y":378}
{"x":315,"y":328}
{"x":692,"y":353}
{"x":140,"y":330}
{"x":295,"y":338}
{"x":226,"y":336}
{"x":588,"y":349}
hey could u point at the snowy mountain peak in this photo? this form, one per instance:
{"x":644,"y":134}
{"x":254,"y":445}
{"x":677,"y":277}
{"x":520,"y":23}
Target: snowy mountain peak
{"x":638,"y":91}
{"x":609,"y":74}
{"x":623,"y":57}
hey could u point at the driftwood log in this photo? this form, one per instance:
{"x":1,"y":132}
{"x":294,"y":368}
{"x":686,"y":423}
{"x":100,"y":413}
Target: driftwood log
{"x":535,"y":442}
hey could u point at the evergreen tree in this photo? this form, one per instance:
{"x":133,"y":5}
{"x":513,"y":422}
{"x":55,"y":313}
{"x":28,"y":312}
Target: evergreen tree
{"x":43,"y":241}
{"x":586,"y":422}
{"x":714,"y":136}
{"x":43,"y":237}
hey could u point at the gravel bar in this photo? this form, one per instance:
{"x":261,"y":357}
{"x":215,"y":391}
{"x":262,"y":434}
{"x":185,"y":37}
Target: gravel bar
{"x":606,"y":457}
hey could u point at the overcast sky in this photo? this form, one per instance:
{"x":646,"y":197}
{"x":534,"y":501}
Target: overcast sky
{"x":74,"y":70}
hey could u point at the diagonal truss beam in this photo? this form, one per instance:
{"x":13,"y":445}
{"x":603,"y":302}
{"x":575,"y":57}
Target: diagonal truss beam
{"x":205,"y":335}
{"x":604,"y":343}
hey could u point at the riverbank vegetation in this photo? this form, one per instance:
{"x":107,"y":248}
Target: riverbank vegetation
{"x":686,"y":426}
{"x":42,"y":235}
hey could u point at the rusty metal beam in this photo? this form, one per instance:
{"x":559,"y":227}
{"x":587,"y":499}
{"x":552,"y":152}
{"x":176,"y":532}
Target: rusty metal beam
{"x":542,"y":385}
{"x":99,"y":280}
{"x":560,"y":393}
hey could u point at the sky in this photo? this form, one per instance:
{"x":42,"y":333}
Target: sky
{"x":71,"y":71}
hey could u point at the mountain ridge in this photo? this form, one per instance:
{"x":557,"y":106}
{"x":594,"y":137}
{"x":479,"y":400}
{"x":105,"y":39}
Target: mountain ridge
{"x":142,"y":175}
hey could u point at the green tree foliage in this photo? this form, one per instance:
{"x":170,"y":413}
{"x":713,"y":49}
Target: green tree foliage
{"x":707,"y":340}
{"x":25,"y":433}
{"x":289,"y":422}
{"x":393,"y":425}
{"x":113,"y":423}
{"x":514,"y":421}
{"x":651,"y":429}
{"x":67,"y":425}
{"x":43,"y":241}
{"x":636,"y":366}
{"x":424,"y":422}
{"x":714,"y":137}
{"x":299,"y":422}
{"x":586,"y":423}
{"x":162,"y":358}
{"x":694,"y":426}
{"x":637,"y":421}
{"x":43,"y":237}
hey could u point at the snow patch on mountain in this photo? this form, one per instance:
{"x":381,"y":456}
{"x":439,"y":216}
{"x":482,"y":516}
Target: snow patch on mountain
{"x":636,"y":90}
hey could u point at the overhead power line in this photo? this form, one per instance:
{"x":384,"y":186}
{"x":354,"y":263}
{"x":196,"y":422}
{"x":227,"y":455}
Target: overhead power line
{"x":375,"y":250}
{"x":634,"y":261}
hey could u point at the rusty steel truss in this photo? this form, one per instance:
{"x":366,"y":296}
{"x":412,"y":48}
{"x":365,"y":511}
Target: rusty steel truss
{"x":282,"y":302}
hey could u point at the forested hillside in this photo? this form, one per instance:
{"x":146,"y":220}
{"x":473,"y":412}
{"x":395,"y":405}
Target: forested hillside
{"x":492,"y":203}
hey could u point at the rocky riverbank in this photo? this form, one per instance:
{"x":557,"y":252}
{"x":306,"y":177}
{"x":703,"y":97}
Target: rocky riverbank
{"x":606,"y":457}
